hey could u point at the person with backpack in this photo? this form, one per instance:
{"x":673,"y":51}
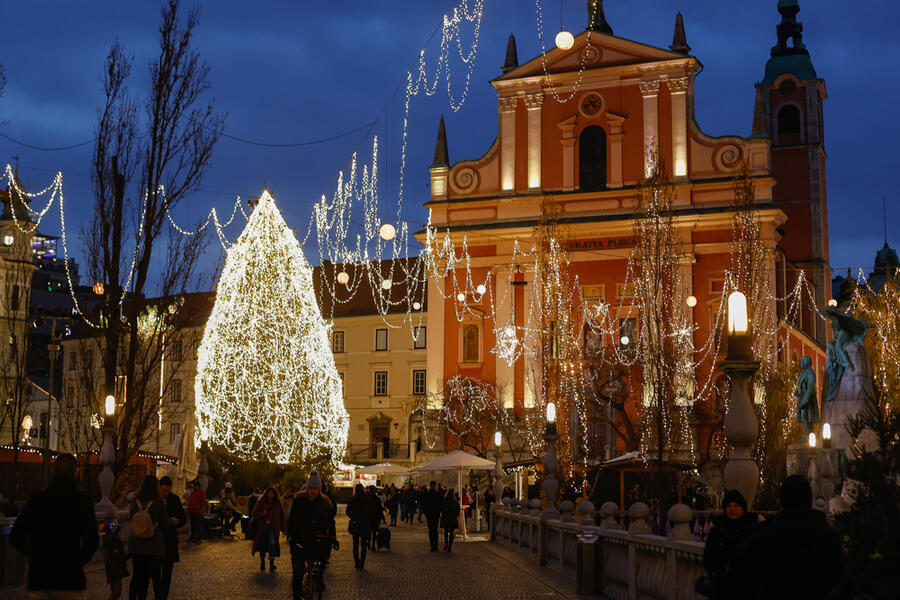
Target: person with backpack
{"x":147,"y":546}
{"x":57,"y":532}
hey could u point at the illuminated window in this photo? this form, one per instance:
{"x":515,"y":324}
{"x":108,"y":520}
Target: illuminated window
{"x":418,"y":382}
{"x":337,"y":342}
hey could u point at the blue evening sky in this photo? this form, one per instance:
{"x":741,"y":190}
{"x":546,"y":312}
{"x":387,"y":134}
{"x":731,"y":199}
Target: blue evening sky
{"x":287,"y":72}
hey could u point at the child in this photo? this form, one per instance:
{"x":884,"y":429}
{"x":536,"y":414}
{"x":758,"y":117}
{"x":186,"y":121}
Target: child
{"x":114,"y":558}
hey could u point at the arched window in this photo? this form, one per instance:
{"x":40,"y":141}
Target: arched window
{"x":592,"y":159}
{"x":789,"y":124}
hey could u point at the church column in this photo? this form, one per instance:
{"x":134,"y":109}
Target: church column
{"x":505,"y":311}
{"x":533,"y":103}
{"x":678,"y":88}
{"x":508,"y":143}
{"x":435,"y":355}
{"x":615,"y":149}
{"x":650,"y":94}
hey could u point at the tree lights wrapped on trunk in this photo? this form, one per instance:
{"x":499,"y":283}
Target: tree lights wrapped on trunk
{"x":267,"y":386}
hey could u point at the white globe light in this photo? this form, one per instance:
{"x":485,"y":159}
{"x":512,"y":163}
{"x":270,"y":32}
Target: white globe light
{"x":387,"y":232}
{"x":564,"y":40}
{"x":551,"y":412}
{"x":461,"y":297}
{"x":417,"y":305}
{"x":498,"y":439}
{"x":481,"y":289}
{"x":691,"y":301}
{"x":386,"y":284}
{"x":343,"y":277}
{"x":832,"y":302}
{"x":625,"y":340}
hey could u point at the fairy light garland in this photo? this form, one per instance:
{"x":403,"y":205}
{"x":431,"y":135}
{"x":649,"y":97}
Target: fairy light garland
{"x":267,"y":385}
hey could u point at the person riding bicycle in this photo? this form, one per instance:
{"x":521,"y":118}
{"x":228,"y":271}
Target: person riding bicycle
{"x":311,"y":532}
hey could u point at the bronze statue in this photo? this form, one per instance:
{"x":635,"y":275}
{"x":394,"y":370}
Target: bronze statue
{"x":845,"y":329}
{"x":807,"y":402}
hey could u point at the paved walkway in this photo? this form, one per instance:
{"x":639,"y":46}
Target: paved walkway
{"x":222,"y":569}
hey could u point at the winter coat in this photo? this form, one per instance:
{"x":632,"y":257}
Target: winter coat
{"x":432,"y":503}
{"x":197,"y":502}
{"x":376,"y":510}
{"x":170,"y":534}
{"x":722,"y":544}
{"x":309,"y":520}
{"x":267,"y":513}
{"x":57,"y":531}
{"x":359,"y":511}
{"x":450,"y":514}
{"x":155,"y":545}
{"x":114,"y":560}
{"x":794,"y":555}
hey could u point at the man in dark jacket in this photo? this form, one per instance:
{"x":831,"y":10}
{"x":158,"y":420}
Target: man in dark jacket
{"x":310,"y":531}
{"x":728,"y":532}
{"x":377,"y":515}
{"x":170,"y":534}
{"x":794,"y":555}
{"x":431,"y":506}
{"x":57,"y":531}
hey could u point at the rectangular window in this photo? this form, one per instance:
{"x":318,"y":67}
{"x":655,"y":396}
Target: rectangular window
{"x":177,"y":350}
{"x":419,"y":339}
{"x":88,"y":359}
{"x":174,"y":432}
{"x":70,"y":398}
{"x":14,"y":301}
{"x":73,"y":360}
{"x":419,"y":382}
{"x":381,"y":383}
{"x":337,"y":342}
{"x":176,"y":390}
{"x":380,"y":339}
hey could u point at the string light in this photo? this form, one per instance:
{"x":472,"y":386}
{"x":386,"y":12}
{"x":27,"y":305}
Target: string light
{"x":267,"y":386}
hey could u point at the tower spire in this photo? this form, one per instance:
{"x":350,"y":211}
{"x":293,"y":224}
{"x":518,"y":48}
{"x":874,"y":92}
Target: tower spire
{"x":596,"y":18}
{"x":441,"y":155}
{"x":679,"y":40}
{"x":512,"y":57}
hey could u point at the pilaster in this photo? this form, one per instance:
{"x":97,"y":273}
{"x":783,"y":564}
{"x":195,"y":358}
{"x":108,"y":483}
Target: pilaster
{"x":678,"y":88}
{"x":650,"y":95}
{"x":508,"y":107}
{"x":533,"y":104}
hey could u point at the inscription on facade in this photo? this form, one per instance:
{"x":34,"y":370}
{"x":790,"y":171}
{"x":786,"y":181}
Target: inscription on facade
{"x":603,"y":244}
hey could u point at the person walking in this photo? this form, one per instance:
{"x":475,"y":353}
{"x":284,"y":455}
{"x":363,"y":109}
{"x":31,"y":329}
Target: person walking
{"x":57,"y":532}
{"x":409,"y":504}
{"x":114,"y":558}
{"x":360,"y":527}
{"x":432,"y":504}
{"x":393,"y":504}
{"x":196,"y":506}
{"x":269,"y":516}
{"x":794,"y":555}
{"x":449,"y":518}
{"x":311,"y":532}
{"x":170,"y":534}
{"x":228,"y":509}
{"x":376,"y":515}
{"x":147,"y":546}
{"x":488,"y":503}
{"x":728,"y":532}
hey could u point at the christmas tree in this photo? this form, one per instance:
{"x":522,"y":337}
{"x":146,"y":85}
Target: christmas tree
{"x":266,"y":386}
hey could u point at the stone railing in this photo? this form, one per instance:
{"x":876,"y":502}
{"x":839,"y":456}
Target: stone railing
{"x":626,"y":564}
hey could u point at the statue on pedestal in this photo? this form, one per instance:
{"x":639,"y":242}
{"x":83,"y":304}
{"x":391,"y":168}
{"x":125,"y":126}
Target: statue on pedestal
{"x":807,"y":401}
{"x":846,"y":330}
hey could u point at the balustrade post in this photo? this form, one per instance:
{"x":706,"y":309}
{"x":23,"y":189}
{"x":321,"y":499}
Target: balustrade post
{"x":680,"y":517}
{"x":609,"y":510}
{"x":638,"y":513}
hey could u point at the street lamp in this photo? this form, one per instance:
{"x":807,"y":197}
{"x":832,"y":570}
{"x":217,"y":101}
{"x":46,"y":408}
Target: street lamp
{"x":53,"y":349}
{"x":107,"y":478}
{"x":741,"y":428}
{"x":551,"y":465}
{"x":826,"y":436}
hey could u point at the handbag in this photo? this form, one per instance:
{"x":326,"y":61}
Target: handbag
{"x":353,"y":527}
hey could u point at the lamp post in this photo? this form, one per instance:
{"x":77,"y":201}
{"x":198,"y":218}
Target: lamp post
{"x":107,"y":458}
{"x":203,"y":467}
{"x":741,"y":428}
{"x":498,"y":470}
{"x":53,"y":348}
{"x":551,"y":464}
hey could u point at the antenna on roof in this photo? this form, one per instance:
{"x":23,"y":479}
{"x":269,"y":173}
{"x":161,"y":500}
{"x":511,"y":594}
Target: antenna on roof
{"x":884,"y":209}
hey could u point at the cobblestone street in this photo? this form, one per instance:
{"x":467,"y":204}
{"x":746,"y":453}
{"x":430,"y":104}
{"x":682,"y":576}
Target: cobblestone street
{"x":219,"y":569}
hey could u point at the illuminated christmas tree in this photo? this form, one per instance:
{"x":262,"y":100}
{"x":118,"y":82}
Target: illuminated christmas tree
{"x":267,"y":387}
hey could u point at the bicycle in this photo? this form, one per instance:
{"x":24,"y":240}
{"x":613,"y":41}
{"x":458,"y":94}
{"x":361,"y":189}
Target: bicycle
{"x":314,"y":568}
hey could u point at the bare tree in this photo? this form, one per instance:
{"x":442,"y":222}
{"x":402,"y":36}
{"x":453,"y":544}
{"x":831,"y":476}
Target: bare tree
{"x":144,"y":167}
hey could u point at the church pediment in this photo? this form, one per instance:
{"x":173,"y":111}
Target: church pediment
{"x":591,"y":50}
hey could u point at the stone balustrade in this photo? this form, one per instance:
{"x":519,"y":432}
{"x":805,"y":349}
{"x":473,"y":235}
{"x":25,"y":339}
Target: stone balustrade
{"x":633,"y":564}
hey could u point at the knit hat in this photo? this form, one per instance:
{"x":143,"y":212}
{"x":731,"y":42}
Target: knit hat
{"x":314,"y":481}
{"x":227,"y":485}
{"x":796,"y":493}
{"x":734,"y":496}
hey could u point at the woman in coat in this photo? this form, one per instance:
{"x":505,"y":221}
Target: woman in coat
{"x":146,"y":546}
{"x":729,"y":531}
{"x":269,"y":517}
{"x":449,"y":518}
{"x":359,"y":511}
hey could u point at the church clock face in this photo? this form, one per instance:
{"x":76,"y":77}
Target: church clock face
{"x":591,"y":105}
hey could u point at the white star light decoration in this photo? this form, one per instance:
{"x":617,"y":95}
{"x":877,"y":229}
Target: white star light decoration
{"x":267,"y":387}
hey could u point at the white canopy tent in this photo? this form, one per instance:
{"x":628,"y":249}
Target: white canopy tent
{"x":384,"y":469}
{"x":458,"y":461}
